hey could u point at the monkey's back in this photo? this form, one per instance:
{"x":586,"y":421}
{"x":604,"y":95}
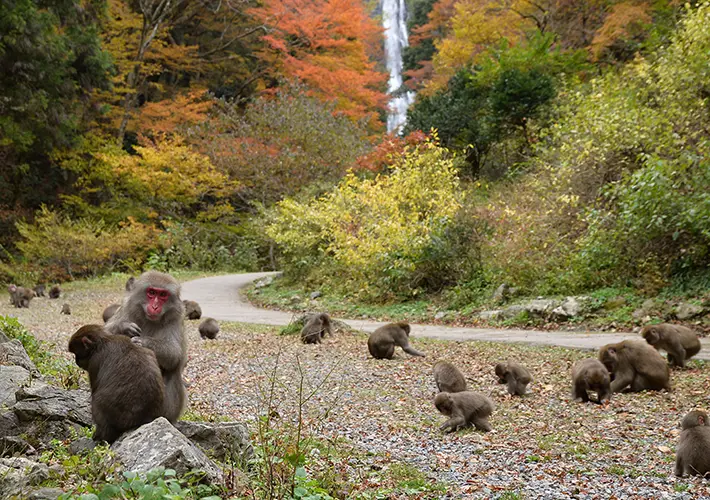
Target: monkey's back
{"x":128,"y":388}
{"x":694,"y":447}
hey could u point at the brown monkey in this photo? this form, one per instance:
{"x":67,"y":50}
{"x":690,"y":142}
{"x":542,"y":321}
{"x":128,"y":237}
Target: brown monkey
{"x":12,"y":290}
{"x":383,"y":340}
{"x":66,"y":309}
{"x":692,"y":455}
{"x":54,"y":292}
{"x":39,"y":290}
{"x":590,"y":375}
{"x":21,"y":296}
{"x":678,"y":341}
{"x":192,"y":309}
{"x":515,"y":375}
{"x":153,"y":310}
{"x":109,"y":312}
{"x":209,"y":328}
{"x":315,"y":329}
{"x":636,"y":365}
{"x":127,"y":389}
{"x":130,"y":283}
{"x":448,"y":378}
{"x":464,"y":409}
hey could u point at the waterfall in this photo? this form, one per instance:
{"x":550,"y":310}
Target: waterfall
{"x":394,"y":21}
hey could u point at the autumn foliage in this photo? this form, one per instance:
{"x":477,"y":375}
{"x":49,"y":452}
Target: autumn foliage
{"x":327,"y":44}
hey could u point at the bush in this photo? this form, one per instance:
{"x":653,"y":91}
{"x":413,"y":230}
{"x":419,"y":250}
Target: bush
{"x":393,"y":236}
{"x":85,"y":247}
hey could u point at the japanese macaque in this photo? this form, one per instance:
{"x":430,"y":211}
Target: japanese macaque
{"x":20,"y":296}
{"x":127,"y":388}
{"x":39,"y":290}
{"x":315,"y":329}
{"x":154,"y":312}
{"x":679,"y":342}
{"x":54,"y":292}
{"x":692,"y":455}
{"x":383,"y":341}
{"x":590,"y":375}
{"x":192,"y":309}
{"x":464,"y":409}
{"x":109,"y":312}
{"x":515,"y":375}
{"x":209,"y":328}
{"x":636,"y":365}
{"x":66,"y":309}
{"x":448,"y":378}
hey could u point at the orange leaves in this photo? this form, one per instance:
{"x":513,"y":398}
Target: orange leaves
{"x":624,"y":20}
{"x":184,"y":109}
{"x":326,"y":44}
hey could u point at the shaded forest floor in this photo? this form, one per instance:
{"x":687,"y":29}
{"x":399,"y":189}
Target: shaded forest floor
{"x":375,"y":431}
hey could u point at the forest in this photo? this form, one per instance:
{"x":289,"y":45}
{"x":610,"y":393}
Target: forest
{"x":559,"y":147}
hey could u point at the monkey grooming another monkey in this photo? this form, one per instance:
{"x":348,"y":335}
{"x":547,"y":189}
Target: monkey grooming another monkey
{"x":127,"y":388}
{"x":192,"y":309}
{"x":448,"y":378}
{"x":464,"y":409}
{"x":636,"y":365}
{"x":515,"y":375}
{"x":382,"y":341}
{"x":54,"y":292}
{"x":130,"y":283}
{"x":153,"y":310}
{"x":66,"y":309}
{"x":315,"y":329}
{"x":209,"y":328}
{"x":692,"y":455}
{"x":679,"y":342}
{"x":590,"y":375}
{"x":109,"y":312}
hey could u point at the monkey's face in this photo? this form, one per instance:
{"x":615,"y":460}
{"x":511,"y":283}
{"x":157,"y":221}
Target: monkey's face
{"x":610,"y":360}
{"x":650,"y":335}
{"x":12,"y":288}
{"x":443,"y":403}
{"x":155,"y":300}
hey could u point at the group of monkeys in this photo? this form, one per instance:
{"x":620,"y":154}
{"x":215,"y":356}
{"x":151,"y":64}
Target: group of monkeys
{"x":135,"y":361}
{"x":21,"y":296}
{"x":630,"y":365}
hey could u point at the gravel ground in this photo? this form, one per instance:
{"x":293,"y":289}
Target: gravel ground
{"x":542,"y":446}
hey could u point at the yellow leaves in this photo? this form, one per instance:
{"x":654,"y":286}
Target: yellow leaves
{"x":170,"y":171}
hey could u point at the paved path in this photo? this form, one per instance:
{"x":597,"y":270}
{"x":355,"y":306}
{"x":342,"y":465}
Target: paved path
{"x":219,"y":298}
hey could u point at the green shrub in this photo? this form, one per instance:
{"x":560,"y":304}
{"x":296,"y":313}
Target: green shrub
{"x":84,"y":247}
{"x":397,"y":235}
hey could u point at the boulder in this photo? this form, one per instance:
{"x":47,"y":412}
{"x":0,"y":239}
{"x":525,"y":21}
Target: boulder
{"x":45,"y":494}
{"x":223,"y":440}
{"x":569,"y":308}
{"x":12,"y":378}
{"x":315,"y":295}
{"x":490,"y":315}
{"x":685,"y":311}
{"x":17,"y":474}
{"x":268,"y":280}
{"x":159,"y":444}
{"x":44,"y":402}
{"x":13,"y":353}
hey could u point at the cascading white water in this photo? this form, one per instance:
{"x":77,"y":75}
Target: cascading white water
{"x":394,"y":21}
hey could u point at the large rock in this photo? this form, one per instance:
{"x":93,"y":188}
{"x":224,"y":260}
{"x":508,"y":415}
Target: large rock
{"x":685,"y":311}
{"x":13,"y":353}
{"x":159,"y":444}
{"x":224,"y":440}
{"x":44,"y":402}
{"x":569,"y":308}
{"x":490,"y":315}
{"x":12,"y":378}
{"x":17,"y":474}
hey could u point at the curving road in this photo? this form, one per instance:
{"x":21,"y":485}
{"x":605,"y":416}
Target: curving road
{"x":219,"y":298}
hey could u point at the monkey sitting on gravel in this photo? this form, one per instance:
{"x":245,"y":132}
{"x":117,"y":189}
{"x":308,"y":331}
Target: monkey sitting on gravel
{"x":692,"y":454}
{"x":448,"y":378}
{"x":315,"y":329}
{"x":464,"y":409}
{"x":678,"y":341}
{"x":382,"y":341}
{"x":515,"y":375}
